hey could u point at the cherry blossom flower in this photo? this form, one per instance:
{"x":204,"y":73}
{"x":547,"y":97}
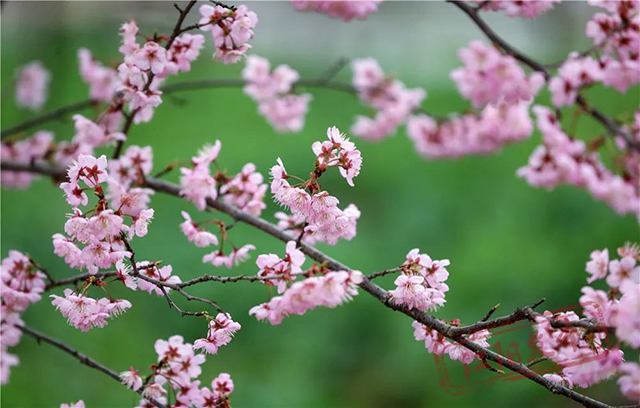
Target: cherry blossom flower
{"x":162,"y":274}
{"x":85,"y":313}
{"x":284,"y":110}
{"x":623,"y":269}
{"x":344,"y":10}
{"x":459,"y":352}
{"x":271,"y":264}
{"x":27,"y":150}
{"x":131,"y":378}
{"x":393,"y":102}
{"x":129,"y":31}
{"x":490,"y":77}
{"x":230,"y":29}
{"x":103,"y":81}
{"x":329,"y":290}
{"x":598,"y":265}
{"x":200,"y":238}
{"x":220,"y":333}
{"x":32,"y":85}
{"x":629,"y":382}
{"x":150,"y":57}
{"x":515,"y":8}
{"x":627,"y":319}
{"x":433,"y":341}
{"x":20,"y":281}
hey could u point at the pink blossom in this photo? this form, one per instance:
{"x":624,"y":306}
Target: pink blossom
{"x":598,"y":265}
{"x":623,"y":269}
{"x":392,"y":100}
{"x":490,"y":77}
{"x":230,"y":29}
{"x":271,"y":264}
{"x":162,"y":274}
{"x":129,"y":31}
{"x":457,"y":351}
{"x":200,"y":238}
{"x":85,"y":313}
{"x":286,"y":113}
{"x":32,"y":85}
{"x":220,"y":333}
{"x":627,"y":320}
{"x":629,"y":382}
{"x":21,"y":283}
{"x":330,"y":290}
{"x":433,"y":341}
{"x":27,"y":150}
{"x":79,"y":404}
{"x":518,"y":8}
{"x":131,"y":378}
{"x":151,"y":57}
{"x":103,"y":81}
{"x":344,"y":10}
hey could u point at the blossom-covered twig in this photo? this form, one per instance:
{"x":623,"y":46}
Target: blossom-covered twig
{"x":605,"y":120}
{"x":89,"y":362}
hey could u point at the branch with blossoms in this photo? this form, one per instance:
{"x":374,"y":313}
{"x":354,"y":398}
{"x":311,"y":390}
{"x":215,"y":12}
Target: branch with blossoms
{"x":110,"y":199}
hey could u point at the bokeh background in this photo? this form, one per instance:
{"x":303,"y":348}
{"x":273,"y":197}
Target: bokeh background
{"x":507,"y":242}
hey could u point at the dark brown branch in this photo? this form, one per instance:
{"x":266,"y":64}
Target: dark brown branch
{"x":89,"y":362}
{"x":374,"y":290}
{"x":167,"y":90}
{"x":54,"y":114}
{"x":606,"y":121}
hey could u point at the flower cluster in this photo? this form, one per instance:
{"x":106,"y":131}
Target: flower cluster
{"x":197,"y":184}
{"x":24,"y":151}
{"x":284,"y":109}
{"x":422,"y":282}
{"x":32,"y":85}
{"x":103,"y":81}
{"x":151,"y":270}
{"x":437,"y":344}
{"x":491,"y":77}
{"x":102,"y":232}
{"x":179,"y":368}
{"x":585,"y":360}
{"x":329,"y":290}
{"x":85,"y":313}
{"x":220,"y":333}
{"x":125,"y":172}
{"x":245,"y":190}
{"x":575,"y":73}
{"x":582,"y":353}
{"x":230,"y":29}
{"x":485,"y":133}
{"x":518,"y":8}
{"x":21,"y":284}
{"x":617,"y":34}
{"x":273,"y":265}
{"x":562,"y":159}
{"x":323,"y":219}
{"x":344,"y":10}
{"x":390,"y":98}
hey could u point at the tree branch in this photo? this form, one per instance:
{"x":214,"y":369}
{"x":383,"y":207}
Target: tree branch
{"x":89,"y":362}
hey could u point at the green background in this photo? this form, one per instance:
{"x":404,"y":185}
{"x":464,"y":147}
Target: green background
{"x":507,"y":242}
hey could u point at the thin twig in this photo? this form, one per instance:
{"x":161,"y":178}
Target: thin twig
{"x":89,"y":362}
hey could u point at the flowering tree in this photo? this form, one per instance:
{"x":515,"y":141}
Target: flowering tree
{"x":110,"y":198}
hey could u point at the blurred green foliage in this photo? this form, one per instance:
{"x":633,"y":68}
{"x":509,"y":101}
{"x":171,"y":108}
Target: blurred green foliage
{"x":507,"y":243}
